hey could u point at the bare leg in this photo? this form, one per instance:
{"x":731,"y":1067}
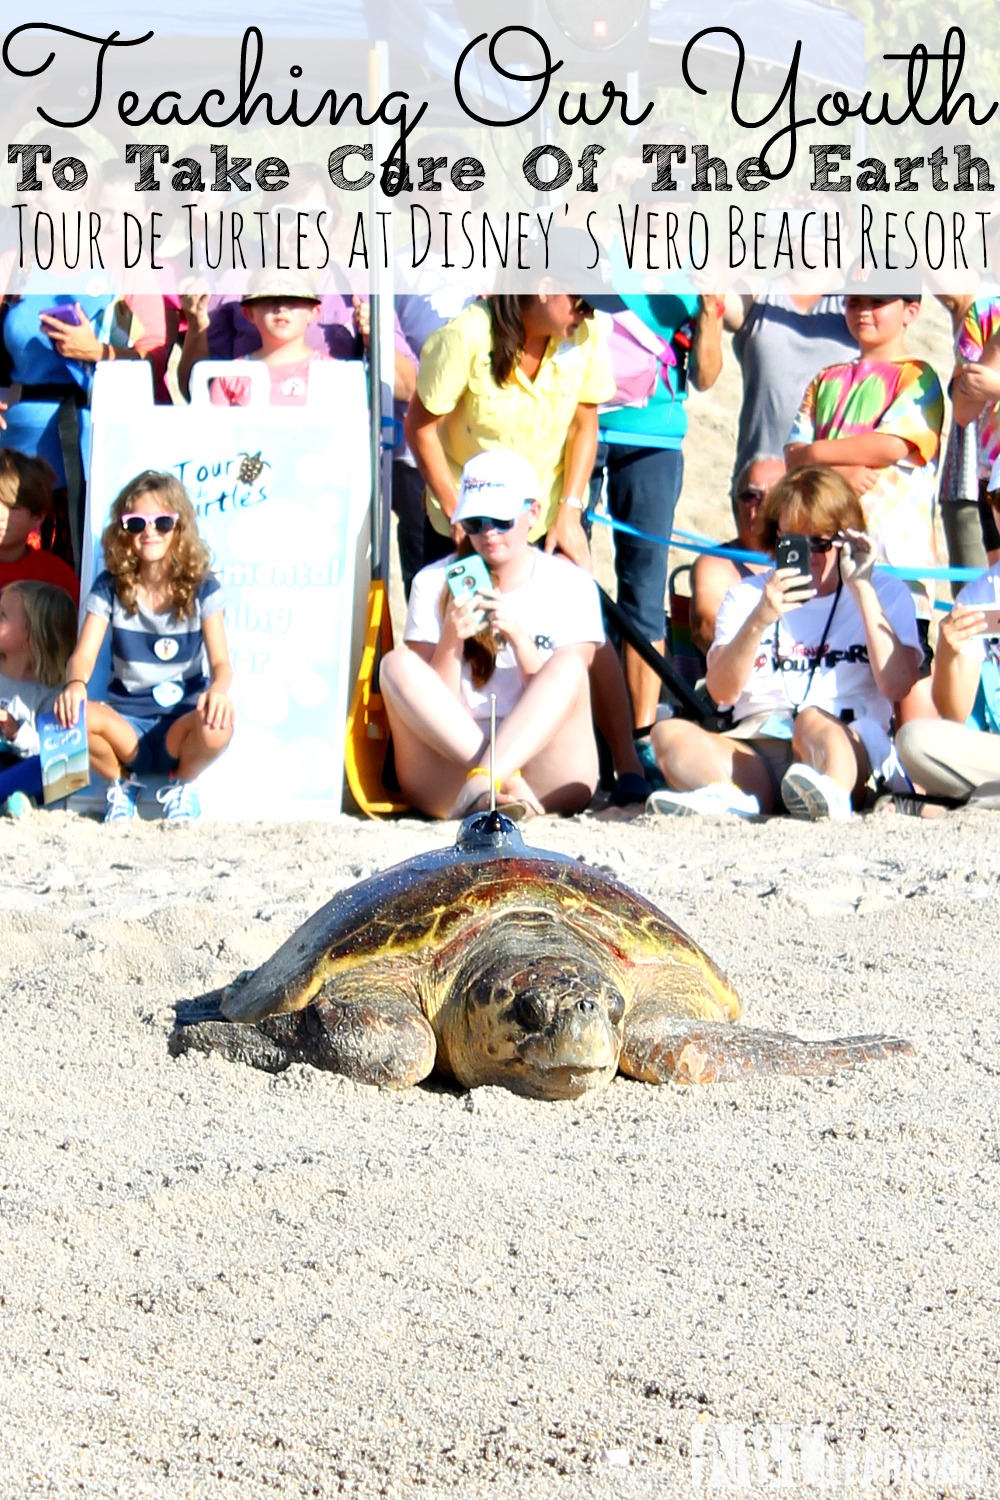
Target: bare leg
{"x":549,"y":734}
{"x":112,"y":744}
{"x":435,"y":739}
{"x":692,"y":757}
{"x":643,"y":685}
{"x":829,"y":746}
{"x":613,"y":711}
{"x":662,"y":1048}
{"x":437,"y":742}
{"x":194,"y":746}
{"x":918,"y":704}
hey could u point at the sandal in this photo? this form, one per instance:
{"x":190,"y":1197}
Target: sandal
{"x":911,"y":806}
{"x":516,"y":810}
{"x":517,"y":793}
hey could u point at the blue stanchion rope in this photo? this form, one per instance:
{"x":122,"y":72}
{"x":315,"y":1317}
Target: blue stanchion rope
{"x":689,"y":541}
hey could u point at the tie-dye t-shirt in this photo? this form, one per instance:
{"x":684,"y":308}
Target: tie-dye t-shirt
{"x":901,"y":398}
{"x":981,"y":322}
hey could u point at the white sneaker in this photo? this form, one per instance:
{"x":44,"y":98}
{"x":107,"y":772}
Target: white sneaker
{"x":719,"y":799}
{"x":808,"y":793}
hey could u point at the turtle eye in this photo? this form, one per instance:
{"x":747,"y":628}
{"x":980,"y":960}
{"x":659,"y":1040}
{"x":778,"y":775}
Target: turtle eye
{"x":527,"y":1012}
{"x":615,"y":1007}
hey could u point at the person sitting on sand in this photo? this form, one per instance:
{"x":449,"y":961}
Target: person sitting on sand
{"x":811,"y":666}
{"x":37,"y":634}
{"x":957,"y":757}
{"x":530,"y":640}
{"x":712,"y":577}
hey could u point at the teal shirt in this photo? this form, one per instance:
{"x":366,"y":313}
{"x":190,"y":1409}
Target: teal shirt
{"x":662,"y":422}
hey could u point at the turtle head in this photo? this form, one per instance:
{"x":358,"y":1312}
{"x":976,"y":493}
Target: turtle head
{"x":489,"y":830}
{"x":550,"y":1028}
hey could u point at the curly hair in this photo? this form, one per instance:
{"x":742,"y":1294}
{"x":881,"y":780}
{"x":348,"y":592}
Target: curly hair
{"x":188,"y":560}
{"x":50,"y":617}
{"x":816,"y":500}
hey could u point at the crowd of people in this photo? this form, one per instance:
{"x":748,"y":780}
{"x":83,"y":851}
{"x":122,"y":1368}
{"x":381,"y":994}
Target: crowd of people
{"x":822,"y":692}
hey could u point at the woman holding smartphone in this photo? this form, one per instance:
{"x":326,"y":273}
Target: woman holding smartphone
{"x":956,"y":758}
{"x":525,"y":634}
{"x":810,"y":657}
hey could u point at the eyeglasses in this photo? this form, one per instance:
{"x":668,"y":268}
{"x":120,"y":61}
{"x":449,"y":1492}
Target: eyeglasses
{"x":136,"y":525}
{"x":751,"y":495}
{"x":475,"y":525}
{"x":821,"y":543}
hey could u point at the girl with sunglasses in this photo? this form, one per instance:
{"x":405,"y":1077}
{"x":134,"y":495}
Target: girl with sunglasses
{"x":810,"y":662}
{"x":528,"y":638}
{"x":167,"y":709}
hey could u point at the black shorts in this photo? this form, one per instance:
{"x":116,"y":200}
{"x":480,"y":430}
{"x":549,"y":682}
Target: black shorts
{"x":923,"y":629}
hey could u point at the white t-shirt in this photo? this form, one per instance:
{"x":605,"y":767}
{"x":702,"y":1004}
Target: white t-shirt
{"x":558,"y":605}
{"x":983,"y":592}
{"x":24,"y":701}
{"x":779,"y":680}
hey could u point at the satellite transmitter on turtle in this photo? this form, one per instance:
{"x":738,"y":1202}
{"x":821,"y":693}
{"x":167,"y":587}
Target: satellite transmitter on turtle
{"x":493,"y":740}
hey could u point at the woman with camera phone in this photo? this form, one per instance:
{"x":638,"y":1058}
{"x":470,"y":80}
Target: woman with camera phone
{"x":810,"y":662}
{"x":526,"y":635}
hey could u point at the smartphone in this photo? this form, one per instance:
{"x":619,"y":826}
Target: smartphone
{"x":992,"y":621}
{"x":65,"y":312}
{"x":793,"y":552}
{"x":469,"y":575}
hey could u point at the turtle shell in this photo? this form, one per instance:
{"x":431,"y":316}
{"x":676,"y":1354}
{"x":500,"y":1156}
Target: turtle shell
{"x":422,"y":910}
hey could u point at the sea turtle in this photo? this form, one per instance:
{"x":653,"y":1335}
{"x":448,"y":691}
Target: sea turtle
{"x":491,"y":962}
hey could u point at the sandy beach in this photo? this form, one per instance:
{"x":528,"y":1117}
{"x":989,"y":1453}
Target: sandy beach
{"x":217,"y":1283}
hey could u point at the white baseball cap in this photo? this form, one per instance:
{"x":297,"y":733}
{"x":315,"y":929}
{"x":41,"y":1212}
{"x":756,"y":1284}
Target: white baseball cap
{"x":497,"y":483}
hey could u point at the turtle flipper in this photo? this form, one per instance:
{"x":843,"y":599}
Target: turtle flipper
{"x":682,"y":1051}
{"x":200,"y":1026}
{"x":383,"y":1039}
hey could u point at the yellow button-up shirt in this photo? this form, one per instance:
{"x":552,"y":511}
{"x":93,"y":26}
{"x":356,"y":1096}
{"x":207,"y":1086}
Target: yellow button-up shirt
{"x":530,"y":416}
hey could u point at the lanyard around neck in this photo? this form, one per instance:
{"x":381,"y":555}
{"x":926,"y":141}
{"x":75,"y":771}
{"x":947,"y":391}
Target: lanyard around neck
{"x":821,"y":652}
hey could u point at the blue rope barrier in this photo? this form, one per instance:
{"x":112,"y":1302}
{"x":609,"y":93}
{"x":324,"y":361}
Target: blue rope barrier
{"x":689,"y":541}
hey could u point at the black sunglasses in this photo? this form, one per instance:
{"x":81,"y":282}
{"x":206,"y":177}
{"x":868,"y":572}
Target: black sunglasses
{"x":135,"y":525}
{"x":476,"y":525}
{"x":821,"y":543}
{"x":752,"y":495}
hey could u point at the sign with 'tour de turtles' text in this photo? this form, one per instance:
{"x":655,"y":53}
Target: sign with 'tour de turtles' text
{"x":282,"y":499}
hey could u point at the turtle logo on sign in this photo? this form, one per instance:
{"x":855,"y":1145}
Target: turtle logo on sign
{"x":252,"y":467}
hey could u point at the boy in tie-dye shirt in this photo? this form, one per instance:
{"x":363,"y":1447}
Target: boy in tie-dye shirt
{"x":975,"y":392}
{"x":878,"y":420}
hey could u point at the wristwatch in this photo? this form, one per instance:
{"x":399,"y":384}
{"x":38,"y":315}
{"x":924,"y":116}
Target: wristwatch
{"x":574,"y":502}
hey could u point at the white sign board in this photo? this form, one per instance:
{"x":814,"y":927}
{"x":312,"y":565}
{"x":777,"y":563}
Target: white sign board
{"x":282,"y":497}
